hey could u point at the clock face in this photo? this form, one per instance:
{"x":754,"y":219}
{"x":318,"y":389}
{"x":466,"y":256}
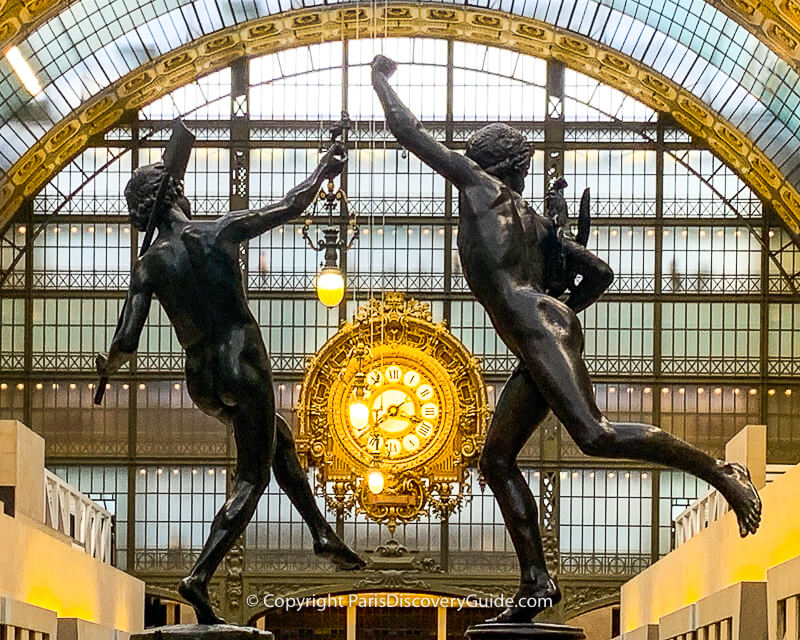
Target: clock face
{"x":399,"y":414}
{"x":392,"y":411}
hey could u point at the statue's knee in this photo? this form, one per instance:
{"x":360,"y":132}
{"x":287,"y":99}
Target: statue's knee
{"x":256,"y":477}
{"x":493,"y":466}
{"x":596,"y":442}
{"x":261,"y":480}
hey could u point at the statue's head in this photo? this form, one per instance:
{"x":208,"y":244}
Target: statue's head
{"x":502,"y":152}
{"x":141,"y":190}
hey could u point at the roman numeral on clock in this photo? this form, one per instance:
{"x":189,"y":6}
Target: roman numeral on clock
{"x":424,"y":429}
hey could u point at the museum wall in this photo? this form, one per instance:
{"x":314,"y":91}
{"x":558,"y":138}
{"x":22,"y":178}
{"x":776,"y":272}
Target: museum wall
{"x":43,"y":567}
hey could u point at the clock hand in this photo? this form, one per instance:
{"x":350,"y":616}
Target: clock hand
{"x":391,"y":412}
{"x":413,"y":419}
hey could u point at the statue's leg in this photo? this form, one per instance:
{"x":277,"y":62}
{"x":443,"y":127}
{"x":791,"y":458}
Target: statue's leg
{"x":254,"y":430}
{"x":551,"y":342}
{"x":519,"y":411}
{"x":294,"y":482}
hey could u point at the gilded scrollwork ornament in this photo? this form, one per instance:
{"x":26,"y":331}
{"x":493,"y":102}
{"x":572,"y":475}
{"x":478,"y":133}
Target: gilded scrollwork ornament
{"x":392,"y":412}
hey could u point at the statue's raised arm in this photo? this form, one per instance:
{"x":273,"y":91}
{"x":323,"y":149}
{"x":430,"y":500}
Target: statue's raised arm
{"x":238,"y":226}
{"x":458,"y":169}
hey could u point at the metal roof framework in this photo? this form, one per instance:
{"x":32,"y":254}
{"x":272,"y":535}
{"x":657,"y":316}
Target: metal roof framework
{"x":716,"y":76}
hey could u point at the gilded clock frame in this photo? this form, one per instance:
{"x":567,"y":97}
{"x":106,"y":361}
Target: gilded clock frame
{"x":392,"y":330}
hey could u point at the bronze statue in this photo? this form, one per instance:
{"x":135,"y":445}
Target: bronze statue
{"x":513,"y":260}
{"x":193,"y":269}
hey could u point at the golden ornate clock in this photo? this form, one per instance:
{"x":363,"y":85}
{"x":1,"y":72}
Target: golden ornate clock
{"x":392,"y":411}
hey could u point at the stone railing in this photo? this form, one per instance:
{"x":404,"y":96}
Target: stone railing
{"x":699,"y":515}
{"x":711,"y":507}
{"x":748,"y":447}
{"x":75,"y":515}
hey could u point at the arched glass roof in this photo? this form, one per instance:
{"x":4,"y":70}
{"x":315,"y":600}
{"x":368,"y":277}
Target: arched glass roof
{"x":92,"y":43}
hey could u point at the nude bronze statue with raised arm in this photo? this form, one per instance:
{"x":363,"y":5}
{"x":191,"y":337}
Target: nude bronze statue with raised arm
{"x":193,"y":269}
{"x":513,"y":260}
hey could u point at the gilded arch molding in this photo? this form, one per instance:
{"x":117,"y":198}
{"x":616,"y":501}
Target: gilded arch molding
{"x":324,"y":24}
{"x":775,"y":22}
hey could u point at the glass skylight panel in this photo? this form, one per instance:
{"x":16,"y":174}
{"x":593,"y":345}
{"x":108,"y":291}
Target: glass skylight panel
{"x":302,"y":84}
{"x":423,"y":87}
{"x":206,"y":98}
{"x":588,"y":99}
{"x":91,"y":43}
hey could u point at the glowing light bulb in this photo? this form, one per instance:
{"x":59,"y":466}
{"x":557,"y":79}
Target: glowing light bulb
{"x":375,"y":481}
{"x":359,"y":416}
{"x":330,"y":286}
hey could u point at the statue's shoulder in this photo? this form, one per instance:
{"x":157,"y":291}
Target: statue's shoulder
{"x":486,"y":195}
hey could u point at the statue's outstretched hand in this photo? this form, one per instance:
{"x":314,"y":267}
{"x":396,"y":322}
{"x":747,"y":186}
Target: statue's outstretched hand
{"x":333,"y":161}
{"x":381,"y":65}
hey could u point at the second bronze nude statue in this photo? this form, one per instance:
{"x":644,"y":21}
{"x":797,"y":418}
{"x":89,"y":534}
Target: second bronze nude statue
{"x":193,"y":269}
{"x":515,"y":262}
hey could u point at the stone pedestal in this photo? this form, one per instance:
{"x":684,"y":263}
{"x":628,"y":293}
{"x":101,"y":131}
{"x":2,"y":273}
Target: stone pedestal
{"x":203,"y":632}
{"x":530,"y":631}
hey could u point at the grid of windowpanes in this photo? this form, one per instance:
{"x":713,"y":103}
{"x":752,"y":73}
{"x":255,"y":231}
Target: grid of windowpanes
{"x":174,"y":506}
{"x":698,"y":333}
{"x":694,"y":44}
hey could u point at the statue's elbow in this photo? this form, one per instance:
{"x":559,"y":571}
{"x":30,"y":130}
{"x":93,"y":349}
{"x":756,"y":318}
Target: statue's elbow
{"x":605,"y":276}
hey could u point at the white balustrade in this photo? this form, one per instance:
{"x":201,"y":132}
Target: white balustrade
{"x":75,"y":515}
{"x":704,"y":511}
{"x":699,"y":515}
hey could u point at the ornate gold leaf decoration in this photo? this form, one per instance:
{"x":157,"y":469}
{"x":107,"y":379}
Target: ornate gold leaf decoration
{"x":427,"y":405}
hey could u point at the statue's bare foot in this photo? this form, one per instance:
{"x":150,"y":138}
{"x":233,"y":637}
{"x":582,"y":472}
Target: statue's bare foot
{"x":196,"y":594}
{"x":742,"y":496}
{"x":332,"y":547}
{"x":529,"y":601}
